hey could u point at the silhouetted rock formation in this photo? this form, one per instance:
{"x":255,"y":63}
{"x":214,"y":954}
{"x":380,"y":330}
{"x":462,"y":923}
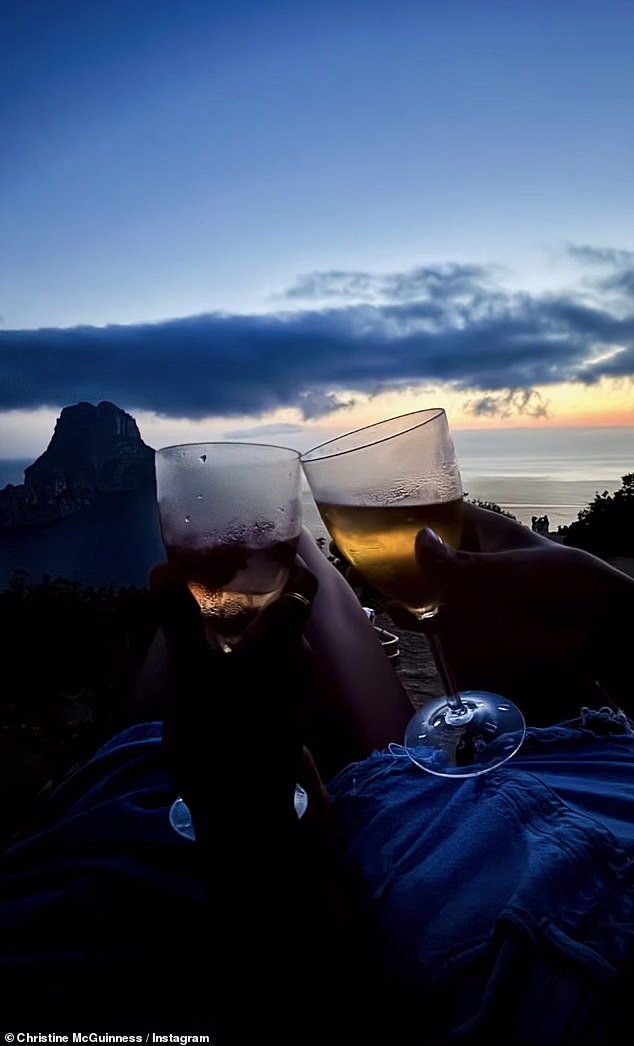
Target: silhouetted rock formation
{"x":87,"y":508}
{"x":94,"y":451}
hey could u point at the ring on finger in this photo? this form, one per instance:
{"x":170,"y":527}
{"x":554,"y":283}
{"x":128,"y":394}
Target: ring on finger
{"x":297,"y":595}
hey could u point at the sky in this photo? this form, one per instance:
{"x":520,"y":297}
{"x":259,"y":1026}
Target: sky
{"x":277,"y":221}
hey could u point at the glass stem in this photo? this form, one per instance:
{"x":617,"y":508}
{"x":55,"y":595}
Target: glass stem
{"x":452,"y":694}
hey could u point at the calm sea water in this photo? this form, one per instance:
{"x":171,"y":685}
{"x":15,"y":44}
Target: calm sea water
{"x":537,"y":472}
{"x":529,"y":472}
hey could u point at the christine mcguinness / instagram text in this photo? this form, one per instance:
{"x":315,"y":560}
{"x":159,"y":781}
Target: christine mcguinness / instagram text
{"x":93,"y":1036}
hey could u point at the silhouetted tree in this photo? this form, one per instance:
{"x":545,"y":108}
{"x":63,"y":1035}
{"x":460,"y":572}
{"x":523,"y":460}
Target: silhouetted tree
{"x":492,"y":507}
{"x":606,"y":526}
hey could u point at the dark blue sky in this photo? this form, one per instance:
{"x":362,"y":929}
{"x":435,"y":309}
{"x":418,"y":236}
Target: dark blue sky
{"x":239,"y":196}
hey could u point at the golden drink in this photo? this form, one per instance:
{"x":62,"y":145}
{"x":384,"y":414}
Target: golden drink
{"x":379,"y":542}
{"x":232,"y":583}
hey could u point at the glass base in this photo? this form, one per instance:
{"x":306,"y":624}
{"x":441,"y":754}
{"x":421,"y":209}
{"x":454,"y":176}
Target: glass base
{"x":181,"y":819}
{"x":487,"y":734}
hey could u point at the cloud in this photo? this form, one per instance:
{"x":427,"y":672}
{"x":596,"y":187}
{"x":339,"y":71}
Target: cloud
{"x":616,"y":267}
{"x":447,"y":281}
{"x":612,"y":256}
{"x":275,"y":429}
{"x":445,"y":324}
{"x":505,"y":404}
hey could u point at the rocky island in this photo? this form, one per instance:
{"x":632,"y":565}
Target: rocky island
{"x":87,"y":508}
{"x":94,"y":451}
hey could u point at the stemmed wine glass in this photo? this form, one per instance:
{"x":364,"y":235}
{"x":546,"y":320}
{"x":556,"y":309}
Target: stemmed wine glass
{"x":230,"y":518}
{"x":375,"y":489}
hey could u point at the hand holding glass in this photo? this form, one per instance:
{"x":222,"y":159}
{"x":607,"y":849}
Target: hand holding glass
{"x":375,"y":489}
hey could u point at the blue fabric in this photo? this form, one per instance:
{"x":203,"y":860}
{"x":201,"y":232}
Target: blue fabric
{"x":550,"y":838}
{"x":99,"y":907}
{"x":463,"y":879}
{"x":105,"y":860}
{"x":533,"y":860}
{"x":120,"y":795}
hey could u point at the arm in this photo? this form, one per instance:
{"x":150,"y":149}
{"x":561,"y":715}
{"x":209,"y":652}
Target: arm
{"x":359,"y":703}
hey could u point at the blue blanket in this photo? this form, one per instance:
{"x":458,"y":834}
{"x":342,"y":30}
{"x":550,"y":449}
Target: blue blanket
{"x":521,"y":879}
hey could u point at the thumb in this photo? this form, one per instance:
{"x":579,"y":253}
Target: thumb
{"x":442,"y":565}
{"x":439,"y":565}
{"x":473,"y":577}
{"x":432,"y":549}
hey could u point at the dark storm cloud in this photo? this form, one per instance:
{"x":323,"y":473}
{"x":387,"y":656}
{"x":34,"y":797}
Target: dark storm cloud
{"x":448,"y":324}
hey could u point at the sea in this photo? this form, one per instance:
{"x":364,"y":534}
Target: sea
{"x":535,"y":472}
{"x":554,"y":472}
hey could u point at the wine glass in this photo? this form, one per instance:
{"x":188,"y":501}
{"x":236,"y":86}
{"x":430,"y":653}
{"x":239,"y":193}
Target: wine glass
{"x":375,"y":489}
{"x":230,"y":517}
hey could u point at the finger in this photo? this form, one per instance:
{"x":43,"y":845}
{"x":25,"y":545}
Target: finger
{"x":302,"y":579}
{"x":438,"y":562}
{"x":308,"y":549}
{"x":429,"y":543}
{"x":518,"y":572}
{"x":403,"y":618}
{"x":548,"y":583}
{"x":281,"y":624}
{"x":162,"y":575}
{"x":319,"y":564}
{"x":355,"y":579}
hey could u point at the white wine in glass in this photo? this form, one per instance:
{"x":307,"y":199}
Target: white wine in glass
{"x":379,"y":541}
{"x":375,"y":489}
